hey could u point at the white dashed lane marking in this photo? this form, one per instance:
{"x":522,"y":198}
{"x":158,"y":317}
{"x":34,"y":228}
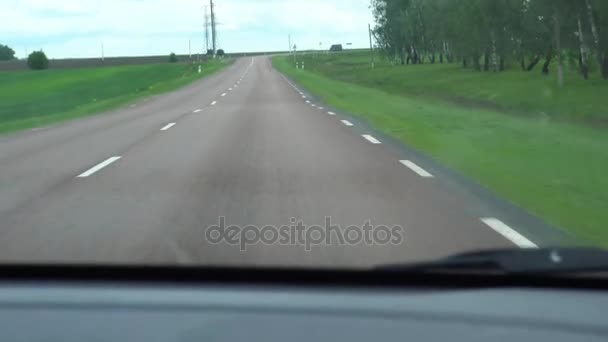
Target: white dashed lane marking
{"x":98,"y":167}
{"x":168,"y":126}
{"x":371,"y":139}
{"x":417,"y":169}
{"x":508,"y":232}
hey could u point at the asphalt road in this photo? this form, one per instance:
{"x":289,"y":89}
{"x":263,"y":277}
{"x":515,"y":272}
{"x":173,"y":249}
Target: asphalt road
{"x":130,"y":187}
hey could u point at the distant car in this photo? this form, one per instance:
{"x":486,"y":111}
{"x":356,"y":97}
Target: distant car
{"x":336,"y":47}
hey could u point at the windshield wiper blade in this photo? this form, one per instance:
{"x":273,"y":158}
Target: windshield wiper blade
{"x":544,"y":261}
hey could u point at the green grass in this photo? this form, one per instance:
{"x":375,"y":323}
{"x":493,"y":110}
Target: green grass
{"x":553,"y":169}
{"x":37,"y":98}
{"x":514,"y":91}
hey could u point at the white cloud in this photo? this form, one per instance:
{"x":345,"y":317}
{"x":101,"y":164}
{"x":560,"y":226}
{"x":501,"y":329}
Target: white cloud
{"x":75,"y":28}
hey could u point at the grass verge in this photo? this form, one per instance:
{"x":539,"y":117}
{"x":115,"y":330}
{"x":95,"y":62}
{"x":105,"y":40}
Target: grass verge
{"x":553,"y":169}
{"x":38,"y":98}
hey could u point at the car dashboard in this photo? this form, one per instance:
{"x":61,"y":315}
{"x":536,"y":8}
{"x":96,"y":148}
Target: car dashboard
{"x":61,"y":310}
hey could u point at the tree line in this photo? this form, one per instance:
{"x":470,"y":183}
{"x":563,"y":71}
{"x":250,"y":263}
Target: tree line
{"x":491,"y":35}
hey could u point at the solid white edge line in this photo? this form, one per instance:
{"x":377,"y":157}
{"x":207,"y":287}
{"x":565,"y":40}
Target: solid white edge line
{"x":371,"y":139}
{"x":213,"y":103}
{"x":98,"y":167}
{"x":417,"y":169}
{"x":168,"y":126}
{"x":347,"y":123}
{"x":331,"y":113}
{"x":508,"y":232}
{"x":197,"y":111}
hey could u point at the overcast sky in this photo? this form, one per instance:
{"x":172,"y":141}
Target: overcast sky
{"x":77,"y":28}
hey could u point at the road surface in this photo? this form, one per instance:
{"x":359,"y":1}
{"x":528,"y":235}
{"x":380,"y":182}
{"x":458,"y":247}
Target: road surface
{"x":142,"y":184}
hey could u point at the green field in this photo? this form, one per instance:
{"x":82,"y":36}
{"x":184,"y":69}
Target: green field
{"x":37,"y":98}
{"x":511,"y":132}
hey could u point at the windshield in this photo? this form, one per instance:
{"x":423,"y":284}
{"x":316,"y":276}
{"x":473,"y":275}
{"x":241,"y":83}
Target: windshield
{"x":315,"y":134}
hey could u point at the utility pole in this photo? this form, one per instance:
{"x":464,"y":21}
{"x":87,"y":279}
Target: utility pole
{"x":190,"y":49}
{"x":289,"y":37}
{"x":218,"y":45}
{"x":213,"y":37}
{"x":371,"y":45}
{"x":206,"y":30}
{"x":103,"y":57}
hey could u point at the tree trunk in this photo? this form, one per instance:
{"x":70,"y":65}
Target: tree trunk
{"x":412,"y":54}
{"x":486,"y":61}
{"x":605,"y":66}
{"x":476,"y":64}
{"x":547,"y":63}
{"x":464,"y":62}
{"x":533,"y":63}
{"x":583,"y":50}
{"x":594,"y":31}
{"x":495,"y":66}
{"x":501,"y":63}
{"x":448,"y":53}
{"x":522,"y":62}
{"x":558,"y":46}
{"x":441,"y":57}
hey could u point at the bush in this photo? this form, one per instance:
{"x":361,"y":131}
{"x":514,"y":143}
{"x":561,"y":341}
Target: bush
{"x":220,"y":53}
{"x":172,"y":58}
{"x":37,"y":61}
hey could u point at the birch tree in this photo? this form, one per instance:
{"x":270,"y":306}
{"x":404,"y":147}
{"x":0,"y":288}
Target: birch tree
{"x":491,"y":35}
